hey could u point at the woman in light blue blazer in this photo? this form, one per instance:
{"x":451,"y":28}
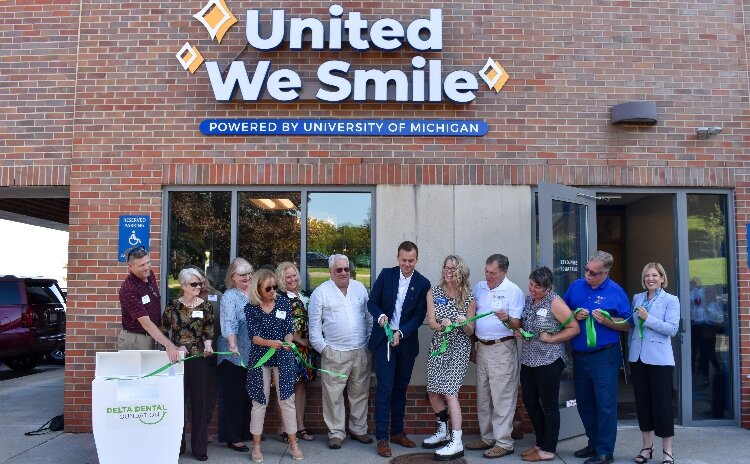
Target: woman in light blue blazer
{"x":656,"y":316}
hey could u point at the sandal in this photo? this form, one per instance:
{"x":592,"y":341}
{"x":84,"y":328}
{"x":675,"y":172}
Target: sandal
{"x":305,"y":435}
{"x":283,"y":437}
{"x":670,"y":460}
{"x":642,"y":459}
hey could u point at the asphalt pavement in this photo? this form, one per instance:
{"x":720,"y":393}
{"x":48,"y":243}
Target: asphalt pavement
{"x":29,"y":401}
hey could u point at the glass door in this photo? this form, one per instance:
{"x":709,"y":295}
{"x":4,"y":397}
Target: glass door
{"x":567,"y":236}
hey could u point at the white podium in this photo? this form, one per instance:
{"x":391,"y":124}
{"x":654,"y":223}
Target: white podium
{"x":137,"y":420}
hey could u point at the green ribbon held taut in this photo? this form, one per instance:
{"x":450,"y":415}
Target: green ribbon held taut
{"x":168,"y":365}
{"x":453,"y":326}
{"x":271,"y":351}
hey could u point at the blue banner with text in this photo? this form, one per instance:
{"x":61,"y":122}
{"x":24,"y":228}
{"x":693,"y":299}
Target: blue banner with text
{"x":346,"y":127}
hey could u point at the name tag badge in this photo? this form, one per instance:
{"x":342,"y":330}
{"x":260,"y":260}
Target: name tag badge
{"x":197,"y":314}
{"x":145,"y":299}
{"x":281,"y":314}
{"x":441,"y":301}
{"x":213,"y":298}
{"x":496,"y":302}
{"x":542,"y":312}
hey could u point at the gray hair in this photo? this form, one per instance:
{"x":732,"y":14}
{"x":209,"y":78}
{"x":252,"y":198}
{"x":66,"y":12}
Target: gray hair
{"x":186,"y":274}
{"x":603,"y":257}
{"x":333,"y":258}
{"x":237,"y":266}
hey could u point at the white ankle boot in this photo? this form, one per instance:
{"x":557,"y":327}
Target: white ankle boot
{"x":439,"y":438}
{"x":454,"y":449}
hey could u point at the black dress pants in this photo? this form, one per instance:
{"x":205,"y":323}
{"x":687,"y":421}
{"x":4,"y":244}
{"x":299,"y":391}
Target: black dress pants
{"x":196,"y":383}
{"x":234,"y":404}
{"x":540,"y":390}
{"x":652,"y":386}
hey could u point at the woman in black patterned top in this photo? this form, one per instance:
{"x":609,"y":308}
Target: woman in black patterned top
{"x":543,"y":360}
{"x":188,"y":322}
{"x":287,"y":277}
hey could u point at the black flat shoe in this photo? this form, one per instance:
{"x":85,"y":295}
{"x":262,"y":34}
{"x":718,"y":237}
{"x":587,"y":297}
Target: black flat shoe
{"x":586,"y":452}
{"x":601,"y":459}
{"x":241,"y":449}
{"x":201,"y":457}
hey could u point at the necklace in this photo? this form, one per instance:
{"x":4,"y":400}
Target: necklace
{"x":192,"y":304}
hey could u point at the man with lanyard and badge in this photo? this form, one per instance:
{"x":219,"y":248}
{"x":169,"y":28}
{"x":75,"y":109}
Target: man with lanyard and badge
{"x":141,"y":307}
{"x":496,"y":356}
{"x":601,"y":306}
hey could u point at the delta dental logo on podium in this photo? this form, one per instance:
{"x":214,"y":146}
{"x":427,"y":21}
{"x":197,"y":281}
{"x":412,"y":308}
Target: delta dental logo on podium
{"x":337,"y":82}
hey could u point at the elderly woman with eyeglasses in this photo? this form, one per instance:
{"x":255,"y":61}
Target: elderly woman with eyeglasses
{"x":270,"y":324}
{"x":188,"y":323}
{"x":234,"y":405}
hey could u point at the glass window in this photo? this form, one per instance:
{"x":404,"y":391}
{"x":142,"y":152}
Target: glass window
{"x":269,"y":227}
{"x":568,"y":242}
{"x":338,"y":222}
{"x":710,"y":321}
{"x":10,"y":293}
{"x":199,"y":235}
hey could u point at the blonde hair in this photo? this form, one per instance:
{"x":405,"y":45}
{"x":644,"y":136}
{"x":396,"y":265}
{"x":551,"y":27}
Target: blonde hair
{"x":237,"y":266}
{"x":659,"y":268}
{"x":280,"y":270}
{"x":260,"y":278}
{"x":460,"y":279}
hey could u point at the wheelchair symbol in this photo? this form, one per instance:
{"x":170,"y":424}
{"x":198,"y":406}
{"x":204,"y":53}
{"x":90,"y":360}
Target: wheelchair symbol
{"x":133,"y":240}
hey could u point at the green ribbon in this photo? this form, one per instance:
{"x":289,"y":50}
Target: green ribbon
{"x":453,"y":326}
{"x":388,"y":332}
{"x":182,"y":360}
{"x":591,"y":330}
{"x":271,"y":351}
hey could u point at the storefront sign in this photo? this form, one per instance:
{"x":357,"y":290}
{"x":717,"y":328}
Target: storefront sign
{"x":134,"y":231}
{"x":337,"y":81}
{"x":366,"y":127}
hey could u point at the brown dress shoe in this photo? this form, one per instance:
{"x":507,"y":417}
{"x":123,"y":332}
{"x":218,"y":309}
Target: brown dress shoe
{"x":401,"y":439}
{"x":384,"y":449}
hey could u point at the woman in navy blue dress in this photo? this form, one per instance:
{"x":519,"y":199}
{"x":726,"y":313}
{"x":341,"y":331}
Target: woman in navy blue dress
{"x":269,"y":324}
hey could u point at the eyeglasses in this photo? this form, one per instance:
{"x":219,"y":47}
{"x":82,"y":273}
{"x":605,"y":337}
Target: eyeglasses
{"x":339,"y":270}
{"x":243,"y":275}
{"x":592,"y":273}
{"x":196,"y":284}
{"x":271,"y":287}
{"x":449,"y":269}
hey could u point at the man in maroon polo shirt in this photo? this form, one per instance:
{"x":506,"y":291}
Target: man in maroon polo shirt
{"x":141,"y":307}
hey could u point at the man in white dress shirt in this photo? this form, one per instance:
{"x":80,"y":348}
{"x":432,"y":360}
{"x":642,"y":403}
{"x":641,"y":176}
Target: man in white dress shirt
{"x":340,"y":326}
{"x":496,"y":358}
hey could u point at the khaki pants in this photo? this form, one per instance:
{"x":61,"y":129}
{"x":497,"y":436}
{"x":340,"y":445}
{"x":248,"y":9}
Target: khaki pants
{"x":134,"y":341}
{"x":288,"y":411}
{"x":356,"y":364}
{"x":497,"y":391}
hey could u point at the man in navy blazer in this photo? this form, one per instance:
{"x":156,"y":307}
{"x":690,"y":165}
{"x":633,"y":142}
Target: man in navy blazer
{"x":399,"y":299}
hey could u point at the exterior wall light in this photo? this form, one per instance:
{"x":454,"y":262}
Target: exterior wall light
{"x":705,"y":132}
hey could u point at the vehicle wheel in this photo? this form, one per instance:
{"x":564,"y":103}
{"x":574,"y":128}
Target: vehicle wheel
{"x":56,"y":356}
{"x":24,"y":363}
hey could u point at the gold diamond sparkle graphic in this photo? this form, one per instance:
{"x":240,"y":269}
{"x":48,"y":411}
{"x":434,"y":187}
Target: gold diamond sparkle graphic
{"x":494,"y":75}
{"x":216,"y":18}
{"x":189,"y":57}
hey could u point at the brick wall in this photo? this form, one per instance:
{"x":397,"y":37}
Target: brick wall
{"x":117,"y":119}
{"x":38,"y":73}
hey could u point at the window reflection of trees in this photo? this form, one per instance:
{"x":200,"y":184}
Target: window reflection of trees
{"x":711,"y":326}
{"x":269,"y":235}
{"x":199,"y":222}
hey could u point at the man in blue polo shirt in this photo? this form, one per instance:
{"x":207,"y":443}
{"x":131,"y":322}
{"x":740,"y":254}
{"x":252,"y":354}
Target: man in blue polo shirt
{"x":597,"y":359}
